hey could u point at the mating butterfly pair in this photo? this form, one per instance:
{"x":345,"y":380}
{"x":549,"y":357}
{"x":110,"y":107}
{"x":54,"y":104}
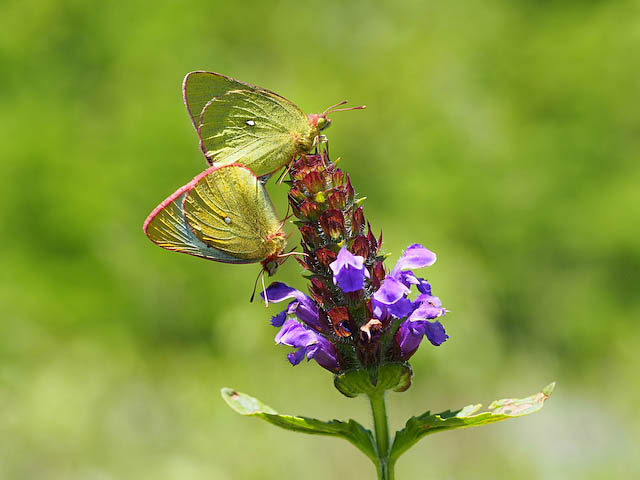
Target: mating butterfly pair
{"x":224,"y":213}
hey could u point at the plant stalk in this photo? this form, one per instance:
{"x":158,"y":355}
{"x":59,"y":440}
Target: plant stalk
{"x":381,"y":427}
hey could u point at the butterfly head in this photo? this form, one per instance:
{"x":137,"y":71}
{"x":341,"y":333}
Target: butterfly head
{"x":322,"y":121}
{"x":319,"y":121}
{"x":270,"y":265}
{"x":276,"y":245}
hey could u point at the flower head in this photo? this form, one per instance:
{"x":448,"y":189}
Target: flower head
{"x":357,"y":316}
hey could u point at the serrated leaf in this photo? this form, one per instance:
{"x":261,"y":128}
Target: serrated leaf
{"x":351,"y":431}
{"x":427,"y":423}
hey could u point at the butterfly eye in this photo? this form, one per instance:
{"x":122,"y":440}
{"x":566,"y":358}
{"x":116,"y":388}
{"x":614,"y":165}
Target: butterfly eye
{"x":227,"y":220}
{"x":323,"y":122}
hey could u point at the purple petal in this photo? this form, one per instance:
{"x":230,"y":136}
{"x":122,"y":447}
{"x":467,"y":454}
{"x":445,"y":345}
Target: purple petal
{"x":390,"y":291}
{"x":424,"y":286}
{"x":409,"y":336}
{"x":278,"y":320}
{"x":324,"y":353}
{"x":435,"y":333}
{"x":295,"y":335}
{"x":305,"y":308}
{"x":426,"y":311}
{"x":278,"y":291}
{"x":430,"y":299}
{"x":379,"y":310}
{"x":308,"y":343}
{"x":348,"y":271}
{"x":307,"y":311}
{"x":296,"y":357}
{"x":415,"y":256}
{"x":346,"y":259}
{"x":402,"y":308}
{"x":349,"y":280}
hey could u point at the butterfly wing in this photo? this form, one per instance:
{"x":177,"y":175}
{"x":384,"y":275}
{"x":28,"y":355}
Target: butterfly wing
{"x":167,"y":227}
{"x":214,"y":205}
{"x":230,"y":210}
{"x":199,"y":87}
{"x":254,"y":127}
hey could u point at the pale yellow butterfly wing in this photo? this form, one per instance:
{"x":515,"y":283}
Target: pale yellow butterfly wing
{"x":256,"y":128}
{"x":233,"y":218}
{"x":230,"y":210}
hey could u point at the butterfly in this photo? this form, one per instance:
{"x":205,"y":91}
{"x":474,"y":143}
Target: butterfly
{"x":224,"y":214}
{"x":241,"y":123}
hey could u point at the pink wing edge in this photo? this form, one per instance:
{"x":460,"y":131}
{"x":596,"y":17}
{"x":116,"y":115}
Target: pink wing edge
{"x":186,"y":188}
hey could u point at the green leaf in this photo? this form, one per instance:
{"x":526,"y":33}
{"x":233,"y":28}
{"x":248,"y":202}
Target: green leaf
{"x":351,"y":430}
{"x":392,"y":376}
{"x":426,"y":424}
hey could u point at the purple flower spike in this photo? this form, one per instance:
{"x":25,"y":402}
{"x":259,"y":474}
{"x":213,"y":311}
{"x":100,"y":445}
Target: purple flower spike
{"x":349,"y":271}
{"x":309,"y":344}
{"x":415,"y":256}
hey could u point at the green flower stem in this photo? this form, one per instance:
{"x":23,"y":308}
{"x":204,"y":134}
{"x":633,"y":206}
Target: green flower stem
{"x":381,"y":427}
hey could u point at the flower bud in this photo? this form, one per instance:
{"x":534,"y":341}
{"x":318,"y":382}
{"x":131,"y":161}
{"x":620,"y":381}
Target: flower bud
{"x":310,"y":236}
{"x":296,"y":196}
{"x":351,"y":194}
{"x":337,"y":178}
{"x":314,"y":182}
{"x":318,"y":290}
{"x":357,"y":226}
{"x":360,"y":246}
{"x":332,"y":223}
{"x":325,"y":256}
{"x":309,"y":210}
{"x":337,"y":200}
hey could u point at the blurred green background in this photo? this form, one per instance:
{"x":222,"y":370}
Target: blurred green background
{"x":505,"y":136}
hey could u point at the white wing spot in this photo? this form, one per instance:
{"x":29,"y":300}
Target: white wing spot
{"x":227,"y":220}
{"x":251,"y":123}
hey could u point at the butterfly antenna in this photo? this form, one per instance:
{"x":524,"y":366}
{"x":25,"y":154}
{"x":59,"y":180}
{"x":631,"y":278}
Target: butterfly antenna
{"x":334,"y":106}
{"x":255,"y":284}
{"x":360,"y":107}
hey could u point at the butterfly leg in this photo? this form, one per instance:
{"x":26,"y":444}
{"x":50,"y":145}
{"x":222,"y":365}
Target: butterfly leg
{"x":264,"y":289}
{"x":287,"y":169}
